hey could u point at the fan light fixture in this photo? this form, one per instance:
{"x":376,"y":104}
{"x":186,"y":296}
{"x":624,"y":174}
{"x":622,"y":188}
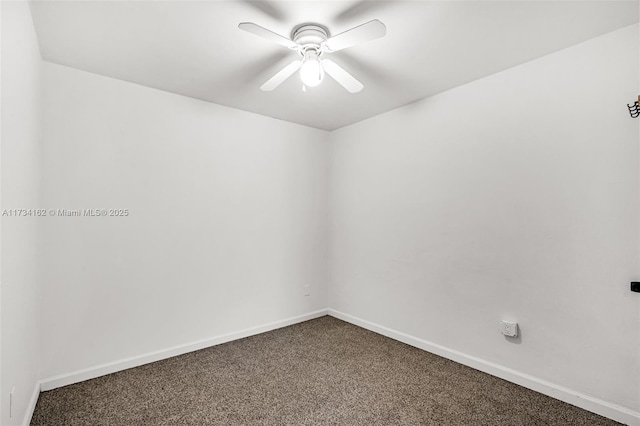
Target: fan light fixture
{"x":311,"y":41}
{"x":311,"y":71}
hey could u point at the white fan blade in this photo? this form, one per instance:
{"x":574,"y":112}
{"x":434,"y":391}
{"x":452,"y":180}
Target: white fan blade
{"x":345,"y":79}
{"x":281,"y":76}
{"x":360,"y":34}
{"x":267,"y":34}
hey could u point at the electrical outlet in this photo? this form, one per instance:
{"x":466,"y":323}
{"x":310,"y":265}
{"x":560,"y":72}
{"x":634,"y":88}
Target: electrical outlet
{"x":307,"y":290}
{"x":509,"y":329}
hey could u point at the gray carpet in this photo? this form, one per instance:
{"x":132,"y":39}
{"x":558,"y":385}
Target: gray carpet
{"x":323,"y":371}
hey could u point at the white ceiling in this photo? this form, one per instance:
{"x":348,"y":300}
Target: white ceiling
{"x":194,"y":48}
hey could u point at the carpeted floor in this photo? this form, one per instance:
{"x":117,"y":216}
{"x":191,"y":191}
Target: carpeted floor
{"x":323,"y":371}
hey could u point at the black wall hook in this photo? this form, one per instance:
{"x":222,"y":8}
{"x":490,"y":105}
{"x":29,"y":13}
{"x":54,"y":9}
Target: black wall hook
{"x":634,"y":109}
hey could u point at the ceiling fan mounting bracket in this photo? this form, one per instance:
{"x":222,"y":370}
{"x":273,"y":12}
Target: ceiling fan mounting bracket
{"x":310,"y":36}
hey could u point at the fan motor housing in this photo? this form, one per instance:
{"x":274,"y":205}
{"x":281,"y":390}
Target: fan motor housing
{"x":310,"y":35}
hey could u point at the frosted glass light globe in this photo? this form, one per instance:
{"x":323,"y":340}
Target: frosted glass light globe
{"x":311,"y":72}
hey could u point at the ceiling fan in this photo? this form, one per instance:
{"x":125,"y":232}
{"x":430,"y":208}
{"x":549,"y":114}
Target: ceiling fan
{"x":312,"y":42}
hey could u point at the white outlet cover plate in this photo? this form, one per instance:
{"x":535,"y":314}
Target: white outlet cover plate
{"x":509,"y":328}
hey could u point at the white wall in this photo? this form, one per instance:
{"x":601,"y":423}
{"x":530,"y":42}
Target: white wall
{"x":227,"y":220}
{"x":20,"y":174}
{"x":513,"y":197}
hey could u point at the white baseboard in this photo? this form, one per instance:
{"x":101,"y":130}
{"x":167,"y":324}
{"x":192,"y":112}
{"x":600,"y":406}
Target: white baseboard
{"x":32,"y":405}
{"x":595,"y":405}
{"x":123,"y":364}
